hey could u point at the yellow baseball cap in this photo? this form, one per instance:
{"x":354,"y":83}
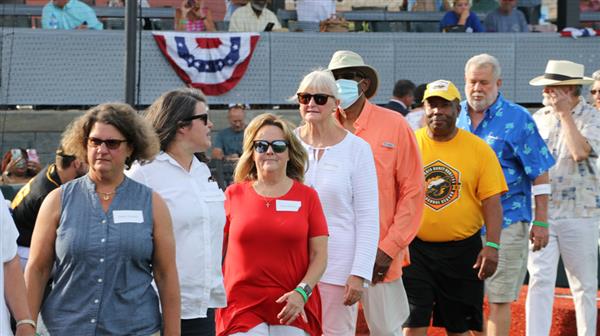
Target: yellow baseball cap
{"x":441,"y":88}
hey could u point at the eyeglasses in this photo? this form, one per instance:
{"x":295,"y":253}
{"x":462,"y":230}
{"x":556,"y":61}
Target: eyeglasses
{"x":320,"y":98}
{"x":110,"y":143}
{"x":203,"y":117}
{"x":351,"y":75}
{"x":593,"y":92}
{"x":262,"y":146}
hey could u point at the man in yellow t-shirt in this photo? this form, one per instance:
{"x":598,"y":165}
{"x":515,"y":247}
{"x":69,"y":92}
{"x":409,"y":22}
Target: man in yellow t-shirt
{"x":464,"y":182}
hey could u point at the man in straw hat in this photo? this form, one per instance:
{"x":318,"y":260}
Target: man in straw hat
{"x":464,"y":183}
{"x":509,"y":129}
{"x":400,"y":182}
{"x":571,"y":128}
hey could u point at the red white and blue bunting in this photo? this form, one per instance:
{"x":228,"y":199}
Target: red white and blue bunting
{"x":213,"y":63}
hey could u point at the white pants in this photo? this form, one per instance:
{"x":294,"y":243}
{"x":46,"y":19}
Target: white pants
{"x":338,"y":319}
{"x":386,"y":308}
{"x":576,"y":241}
{"x":264,"y":329}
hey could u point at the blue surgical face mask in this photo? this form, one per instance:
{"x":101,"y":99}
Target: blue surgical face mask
{"x":348,"y":90}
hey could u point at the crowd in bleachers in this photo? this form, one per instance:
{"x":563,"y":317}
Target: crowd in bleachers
{"x":309,"y":15}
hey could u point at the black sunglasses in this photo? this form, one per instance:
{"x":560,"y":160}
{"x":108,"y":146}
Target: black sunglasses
{"x":203,"y":117}
{"x":262,"y":146}
{"x":351,"y":75}
{"x":320,"y":98}
{"x":110,"y":143}
{"x":593,"y":92}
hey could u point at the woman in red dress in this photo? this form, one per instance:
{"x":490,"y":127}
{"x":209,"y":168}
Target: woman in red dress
{"x":275,"y":238}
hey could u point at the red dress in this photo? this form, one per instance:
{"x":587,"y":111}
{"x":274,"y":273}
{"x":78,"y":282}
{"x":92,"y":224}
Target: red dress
{"x":267,"y":256}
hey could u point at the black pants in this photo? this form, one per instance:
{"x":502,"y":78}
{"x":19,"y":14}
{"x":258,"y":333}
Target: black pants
{"x":199,"y":326}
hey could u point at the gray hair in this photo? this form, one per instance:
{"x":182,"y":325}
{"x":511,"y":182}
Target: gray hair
{"x":321,"y":80}
{"x":482,"y":60}
{"x":596,"y":75}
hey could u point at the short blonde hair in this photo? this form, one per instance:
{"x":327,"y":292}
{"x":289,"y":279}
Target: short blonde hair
{"x":245,"y":170}
{"x":136,"y":130}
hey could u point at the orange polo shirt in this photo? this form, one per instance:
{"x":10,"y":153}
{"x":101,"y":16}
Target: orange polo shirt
{"x":399,"y":178}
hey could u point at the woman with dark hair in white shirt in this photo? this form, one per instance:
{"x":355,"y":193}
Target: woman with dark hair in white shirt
{"x":180,"y":117}
{"x":342,"y":170}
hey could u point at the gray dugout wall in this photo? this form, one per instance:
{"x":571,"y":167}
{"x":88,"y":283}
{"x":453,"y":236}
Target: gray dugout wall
{"x":41,"y":67}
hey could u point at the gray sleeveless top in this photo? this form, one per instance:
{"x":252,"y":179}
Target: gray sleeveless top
{"x":103,"y":264}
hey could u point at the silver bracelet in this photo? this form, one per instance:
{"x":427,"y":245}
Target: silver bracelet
{"x":27,"y":321}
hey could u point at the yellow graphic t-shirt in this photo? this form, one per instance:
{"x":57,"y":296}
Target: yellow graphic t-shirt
{"x":459,"y":174}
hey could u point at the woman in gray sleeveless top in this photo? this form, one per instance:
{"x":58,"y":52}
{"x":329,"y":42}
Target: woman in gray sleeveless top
{"x":106,"y":236}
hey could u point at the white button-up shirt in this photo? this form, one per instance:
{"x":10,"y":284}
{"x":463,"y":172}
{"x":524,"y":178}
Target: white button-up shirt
{"x":197,"y":210}
{"x":575,"y":185}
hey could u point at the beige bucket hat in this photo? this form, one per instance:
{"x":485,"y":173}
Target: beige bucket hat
{"x":562,"y":73}
{"x":343,"y":59}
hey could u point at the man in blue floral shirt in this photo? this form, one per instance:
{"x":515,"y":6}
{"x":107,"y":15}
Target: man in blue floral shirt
{"x":571,"y":128}
{"x":511,"y":132}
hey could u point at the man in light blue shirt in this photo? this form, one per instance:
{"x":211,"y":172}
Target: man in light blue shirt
{"x":69,"y":14}
{"x":506,"y":19}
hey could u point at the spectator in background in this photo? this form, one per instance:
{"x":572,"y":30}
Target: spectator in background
{"x":506,"y":19}
{"x":18,"y":168}
{"x":228,"y":142}
{"x":26,"y":204}
{"x":595,"y":90}
{"x":69,"y":14}
{"x":461,"y":19}
{"x":403,"y":97}
{"x":231,"y":6}
{"x":253,"y":17}
{"x":192,"y":16}
{"x":13,"y":297}
{"x":416,"y":116}
{"x":314,"y":10}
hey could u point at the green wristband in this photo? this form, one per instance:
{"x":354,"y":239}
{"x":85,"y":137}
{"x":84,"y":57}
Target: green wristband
{"x":302,"y":292}
{"x":540,"y":224}
{"x":494,"y":245}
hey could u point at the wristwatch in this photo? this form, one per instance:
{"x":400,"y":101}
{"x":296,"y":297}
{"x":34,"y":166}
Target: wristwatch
{"x":306,"y":288}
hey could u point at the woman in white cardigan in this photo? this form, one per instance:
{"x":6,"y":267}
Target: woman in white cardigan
{"x":342,"y":170}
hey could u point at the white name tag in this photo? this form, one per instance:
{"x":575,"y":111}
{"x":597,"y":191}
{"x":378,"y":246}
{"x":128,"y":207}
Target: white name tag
{"x":128,"y":216}
{"x":283,"y":205}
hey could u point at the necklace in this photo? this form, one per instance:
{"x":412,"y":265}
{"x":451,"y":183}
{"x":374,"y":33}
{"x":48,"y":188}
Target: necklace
{"x":267,"y":201}
{"x":106,"y":196}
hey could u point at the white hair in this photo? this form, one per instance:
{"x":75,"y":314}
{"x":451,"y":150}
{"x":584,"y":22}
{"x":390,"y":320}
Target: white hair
{"x":596,"y":75}
{"x":482,"y":60}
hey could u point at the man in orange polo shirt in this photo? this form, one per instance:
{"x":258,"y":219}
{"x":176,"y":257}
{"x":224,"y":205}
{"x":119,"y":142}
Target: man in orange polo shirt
{"x":400,"y":182}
